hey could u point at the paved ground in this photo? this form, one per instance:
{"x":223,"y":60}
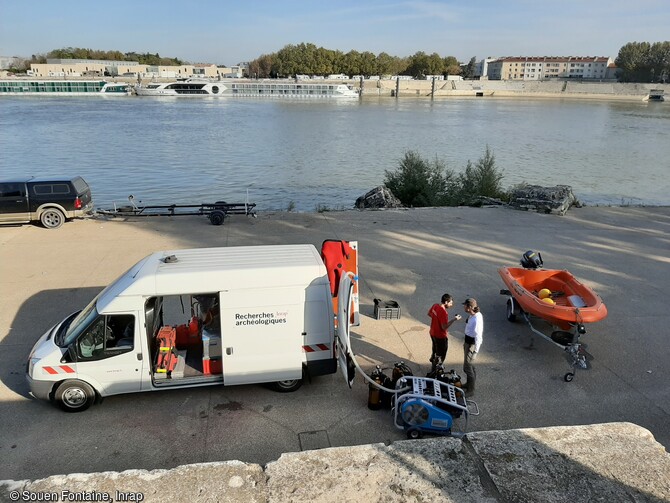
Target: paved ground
{"x":409,"y":256}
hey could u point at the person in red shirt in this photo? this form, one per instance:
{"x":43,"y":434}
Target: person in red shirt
{"x":439,"y":327}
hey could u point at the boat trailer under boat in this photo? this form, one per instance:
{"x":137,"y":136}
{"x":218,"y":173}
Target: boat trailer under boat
{"x":554,"y":300}
{"x":216,"y":212}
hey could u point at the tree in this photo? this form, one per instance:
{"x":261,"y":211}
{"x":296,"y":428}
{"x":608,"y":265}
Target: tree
{"x":481,"y":179}
{"x":644,"y":62}
{"x":368,"y":64}
{"x":435,"y":65}
{"x":452,"y":66}
{"x":261,"y":67}
{"x":352,"y":63}
{"x":633,"y":62}
{"x":386,"y":64}
{"x":659,"y":61}
{"x":469,"y":70}
{"x":418,"y":65}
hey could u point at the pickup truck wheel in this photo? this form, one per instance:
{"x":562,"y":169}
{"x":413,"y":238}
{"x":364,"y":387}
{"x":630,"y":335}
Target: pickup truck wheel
{"x":52,"y":218}
{"x":287,"y":386}
{"x":74,"y":396}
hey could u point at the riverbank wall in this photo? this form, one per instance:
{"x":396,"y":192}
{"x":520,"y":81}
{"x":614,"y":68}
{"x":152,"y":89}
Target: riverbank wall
{"x":511,"y":89}
{"x":604,"y":462}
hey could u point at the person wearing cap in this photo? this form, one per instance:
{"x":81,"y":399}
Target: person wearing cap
{"x":439,"y":327}
{"x":474,"y":331}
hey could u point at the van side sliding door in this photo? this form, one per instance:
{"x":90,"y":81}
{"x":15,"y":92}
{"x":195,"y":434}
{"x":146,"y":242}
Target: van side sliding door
{"x":261,"y":335}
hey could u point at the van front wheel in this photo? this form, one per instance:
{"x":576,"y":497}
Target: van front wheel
{"x":287,"y":386}
{"x":74,"y":396}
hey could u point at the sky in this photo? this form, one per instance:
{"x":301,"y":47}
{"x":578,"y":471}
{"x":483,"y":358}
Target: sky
{"x":227,"y":32}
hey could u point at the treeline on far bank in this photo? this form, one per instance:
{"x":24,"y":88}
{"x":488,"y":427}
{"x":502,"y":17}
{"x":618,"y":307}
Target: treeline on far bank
{"x":308,"y":59}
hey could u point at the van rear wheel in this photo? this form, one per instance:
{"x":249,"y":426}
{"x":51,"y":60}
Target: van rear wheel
{"x":52,"y":218}
{"x":287,"y":386}
{"x":74,"y":396}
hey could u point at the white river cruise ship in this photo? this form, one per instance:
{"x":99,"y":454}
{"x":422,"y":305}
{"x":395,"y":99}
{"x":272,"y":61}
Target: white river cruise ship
{"x":247,"y":89}
{"x":21,"y":87}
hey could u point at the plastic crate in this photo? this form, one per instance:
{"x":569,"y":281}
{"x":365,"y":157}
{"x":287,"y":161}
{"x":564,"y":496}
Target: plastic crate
{"x":387,"y":310}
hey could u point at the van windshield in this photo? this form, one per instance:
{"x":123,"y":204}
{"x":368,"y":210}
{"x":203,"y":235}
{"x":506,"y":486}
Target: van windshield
{"x":79,"y":324}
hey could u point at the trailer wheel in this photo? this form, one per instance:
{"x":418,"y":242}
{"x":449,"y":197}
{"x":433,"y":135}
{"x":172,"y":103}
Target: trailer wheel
{"x":74,"y":396}
{"x":217,"y":217}
{"x":414,"y":433}
{"x":511,"y":315}
{"x":287,"y":386}
{"x":52,"y":218}
{"x":569,"y":377}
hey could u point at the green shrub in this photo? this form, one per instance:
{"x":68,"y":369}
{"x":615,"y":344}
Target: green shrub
{"x":417,"y":182}
{"x":482,"y":179}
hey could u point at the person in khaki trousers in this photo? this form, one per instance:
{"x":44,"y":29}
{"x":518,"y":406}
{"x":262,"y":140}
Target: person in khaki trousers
{"x":474,"y":332}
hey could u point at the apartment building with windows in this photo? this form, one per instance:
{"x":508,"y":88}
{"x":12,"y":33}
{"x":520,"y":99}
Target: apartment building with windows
{"x":549,"y":67}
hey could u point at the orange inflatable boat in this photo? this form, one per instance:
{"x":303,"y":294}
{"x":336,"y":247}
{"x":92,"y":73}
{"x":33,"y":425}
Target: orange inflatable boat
{"x":556,"y":296}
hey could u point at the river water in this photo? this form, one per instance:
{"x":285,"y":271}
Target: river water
{"x":313,"y":154}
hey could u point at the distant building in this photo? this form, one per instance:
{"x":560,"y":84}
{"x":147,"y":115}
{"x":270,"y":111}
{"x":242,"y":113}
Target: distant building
{"x":64,"y":68}
{"x":549,"y":67}
{"x":481,"y":70}
{"x":8,"y":62}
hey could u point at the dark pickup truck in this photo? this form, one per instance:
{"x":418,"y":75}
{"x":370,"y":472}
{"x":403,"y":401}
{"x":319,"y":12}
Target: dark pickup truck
{"x":48,"y":200}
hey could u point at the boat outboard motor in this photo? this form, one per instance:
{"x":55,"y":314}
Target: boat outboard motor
{"x":531,"y":260}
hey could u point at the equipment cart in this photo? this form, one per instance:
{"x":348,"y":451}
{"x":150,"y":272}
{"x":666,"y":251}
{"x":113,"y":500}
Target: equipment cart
{"x":425,"y":405}
{"x":216,"y":212}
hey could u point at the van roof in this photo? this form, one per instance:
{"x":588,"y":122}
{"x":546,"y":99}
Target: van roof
{"x":204,"y":270}
{"x":33,"y":179}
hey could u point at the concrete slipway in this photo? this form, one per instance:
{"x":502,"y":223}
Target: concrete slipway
{"x":411,"y":256}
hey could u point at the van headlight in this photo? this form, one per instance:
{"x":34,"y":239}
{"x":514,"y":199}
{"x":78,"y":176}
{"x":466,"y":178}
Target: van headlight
{"x":31,"y":364}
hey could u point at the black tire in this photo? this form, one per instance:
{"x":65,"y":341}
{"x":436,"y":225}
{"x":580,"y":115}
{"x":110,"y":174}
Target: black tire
{"x":287,"y":386}
{"x":414,"y":433}
{"x":569,"y":377}
{"x":217,"y":217}
{"x":511,"y":315}
{"x":52,"y":218}
{"x":74,"y":396}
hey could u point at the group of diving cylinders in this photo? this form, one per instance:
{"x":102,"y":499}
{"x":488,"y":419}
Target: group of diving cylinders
{"x":379,"y":398}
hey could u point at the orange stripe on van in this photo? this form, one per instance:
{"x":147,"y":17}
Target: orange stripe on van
{"x":316,"y":347}
{"x":61,"y":369}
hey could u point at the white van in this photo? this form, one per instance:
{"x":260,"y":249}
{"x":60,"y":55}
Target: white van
{"x":236,"y":315}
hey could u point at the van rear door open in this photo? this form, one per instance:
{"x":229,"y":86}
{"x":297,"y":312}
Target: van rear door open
{"x":344,"y":353}
{"x":261,"y":334}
